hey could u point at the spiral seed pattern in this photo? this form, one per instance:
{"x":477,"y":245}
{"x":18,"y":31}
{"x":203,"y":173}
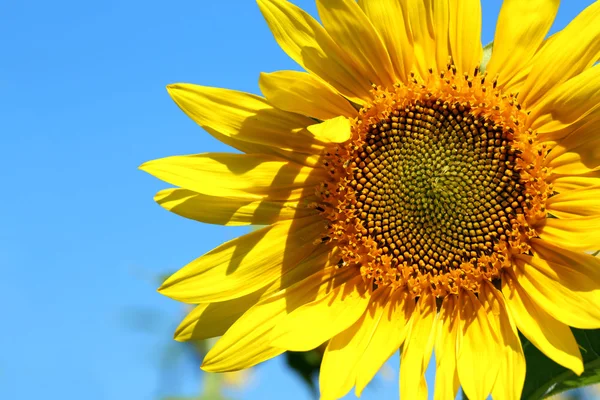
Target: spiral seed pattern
{"x":436,"y":185}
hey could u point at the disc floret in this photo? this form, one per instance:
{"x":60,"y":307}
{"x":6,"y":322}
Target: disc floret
{"x":439,"y":186}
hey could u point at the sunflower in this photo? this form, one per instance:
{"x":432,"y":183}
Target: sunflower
{"x":415,"y":198}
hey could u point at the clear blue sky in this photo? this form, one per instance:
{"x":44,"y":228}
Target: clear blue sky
{"x":82,"y":104}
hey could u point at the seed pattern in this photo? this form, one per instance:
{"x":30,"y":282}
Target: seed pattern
{"x":440,"y":185}
{"x":436,"y":185}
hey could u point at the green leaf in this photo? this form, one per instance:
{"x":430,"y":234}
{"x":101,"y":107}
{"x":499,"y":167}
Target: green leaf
{"x":487,"y":54}
{"x":545,"y":378}
{"x":306,"y":364}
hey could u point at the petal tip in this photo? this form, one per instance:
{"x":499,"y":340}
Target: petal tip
{"x":205,"y":367}
{"x":165,"y":288}
{"x":334,"y":130}
{"x":146,"y":166}
{"x":208,"y":365}
{"x":577,"y":367}
{"x":171,"y":87}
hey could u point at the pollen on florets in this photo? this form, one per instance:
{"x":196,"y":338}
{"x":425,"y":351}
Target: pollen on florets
{"x":440,"y":184}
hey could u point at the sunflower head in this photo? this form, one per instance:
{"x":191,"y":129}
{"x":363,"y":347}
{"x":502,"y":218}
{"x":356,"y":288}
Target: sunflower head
{"x":414,"y":196}
{"x":439,"y":182}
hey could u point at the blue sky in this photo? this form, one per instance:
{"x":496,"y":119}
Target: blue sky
{"x":82,"y":104}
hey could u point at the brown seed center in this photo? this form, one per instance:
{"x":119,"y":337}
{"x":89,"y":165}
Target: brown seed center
{"x":436,"y":185}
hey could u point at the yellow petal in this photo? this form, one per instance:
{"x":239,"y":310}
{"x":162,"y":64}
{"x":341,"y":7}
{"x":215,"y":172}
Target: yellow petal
{"x":335,"y":130}
{"x":245,"y":264}
{"x":209,"y":320}
{"x":441,"y":14}
{"x":571,"y":134}
{"x":307,"y":43}
{"x":511,"y":375}
{"x":420,"y":20}
{"x":427,"y":25}
{"x":303,"y":93}
{"x":318,"y":261}
{"x":465,"y":34}
{"x":577,"y":153}
{"x":309,"y":160}
{"x":247,"y":147}
{"x":237,"y":175}
{"x":230,"y":211}
{"x":568,"y":103}
{"x":565,"y":183}
{"x":574,"y":137}
{"x":521,"y":75}
{"x":213,"y":319}
{"x":390,"y":20}
{"x":314,"y":323}
{"x":387,"y":338}
{"x":248,"y":343}
{"x":572,"y":51}
{"x":575,"y":203}
{"x":575,"y":270}
{"x":478,"y":359}
{"x":417,"y":349}
{"x":583,"y":160}
{"x":578,"y":309}
{"x":520,"y":31}
{"x":244,"y":116}
{"x":353,"y":32}
{"x":552,"y":337}
{"x":345,"y":350}
{"x":446,"y":375}
{"x":582,"y":233}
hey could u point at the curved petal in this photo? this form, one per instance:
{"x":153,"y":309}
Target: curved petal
{"x":442,"y":13}
{"x":446,"y":375}
{"x":213,"y":319}
{"x":248,"y":147}
{"x":419,"y":14}
{"x":511,"y":375}
{"x":566,"y":183}
{"x":309,"y":160}
{"x":307,"y":43}
{"x":520,"y":31}
{"x":575,"y":270}
{"x":390,"y":20}
{"x":581,"y":233}
{"x":417,"y":349}
{"x":478,"y":351}
{"x":341,"y":360}
{"x":303,"y":93}
{"x":210,"y":320}
{"x":336,"y":130}
{"x":578,"y":309}
{"x":567,"y":104}
{"x":569,"y":53}
{"x":578,"y":152}
{"x":575,"y":203}
{"x":387,"y":338}
{"x":336,"y":311}
{"x":250,"y":176}
{"x":465,"y":34}
{"x":231,"y":211}
{"x":245,"y":117}
{"x":521,"y":75}
{"x":248,"y":343}
{"x":552,"y":337}
{"x":245,"y":264}
{"x":353,"y":32}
